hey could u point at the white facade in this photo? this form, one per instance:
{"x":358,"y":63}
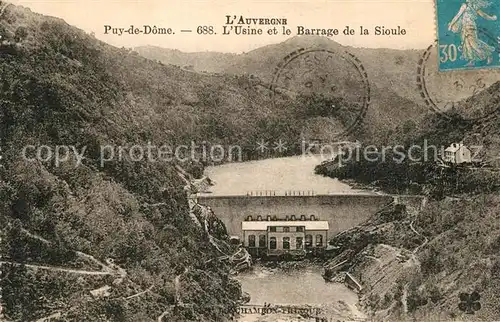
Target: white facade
{"x":457,"y":153}
{"x":281,"y":237}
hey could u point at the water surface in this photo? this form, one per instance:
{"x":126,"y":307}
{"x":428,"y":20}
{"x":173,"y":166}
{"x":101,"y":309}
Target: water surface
{"x":279,"y":175}
{"x":298,"y":287}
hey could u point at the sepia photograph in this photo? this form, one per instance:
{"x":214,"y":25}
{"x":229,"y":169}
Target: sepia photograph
{"x":257,"y":161}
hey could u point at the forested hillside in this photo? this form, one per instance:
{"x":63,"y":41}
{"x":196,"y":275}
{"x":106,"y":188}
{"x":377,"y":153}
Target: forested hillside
{"x":392,"y":73}
{"x":416,"y":263}
{"x":69,"y":229}
{"x":424,"y":173}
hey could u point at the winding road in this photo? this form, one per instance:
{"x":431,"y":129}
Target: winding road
{"x":414,"y":213}
{"x":58,"y":269}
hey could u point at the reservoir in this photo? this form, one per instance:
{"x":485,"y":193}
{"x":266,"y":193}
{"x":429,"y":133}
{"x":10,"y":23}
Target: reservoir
{"x":284,"y":187}
{"x":279,"y":175}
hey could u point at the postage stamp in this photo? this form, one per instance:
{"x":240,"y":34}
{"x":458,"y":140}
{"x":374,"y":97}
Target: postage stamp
{"x":468,"y":34}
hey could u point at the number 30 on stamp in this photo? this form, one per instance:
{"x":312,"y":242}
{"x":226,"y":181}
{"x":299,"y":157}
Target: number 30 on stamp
{"x":468,"y":34}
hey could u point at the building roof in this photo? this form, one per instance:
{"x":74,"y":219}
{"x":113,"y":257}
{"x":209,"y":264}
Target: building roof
{"x":262,"y":225}
{"x":454,"y":147}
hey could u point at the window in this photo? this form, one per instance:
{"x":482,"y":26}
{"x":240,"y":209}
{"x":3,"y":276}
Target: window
{"x":312,"y":217}
{"x":286,"y":229}
{"x":268,"y":218}
{"x":303,"y":217}
{"x":287,"y":218}
{"x":275,"y":218}
{"x":272,"y":229}
{"x":272,"y":243}
{"x":251,"y":241}
{"x":319,"y":240}
{"x":299,"y":243}
{"x":309,"y":240}
{"x":293,"y":217}
{"x":286,"y":242}
{"x":249,"y":218}
{"x":235,"y":241}
{"x":262,"y":241}
{"x":300,"y":229}
{"x":259,"y":218}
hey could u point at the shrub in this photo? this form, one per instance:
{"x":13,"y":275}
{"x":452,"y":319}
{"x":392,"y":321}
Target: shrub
{"x":20,"y":34}
{"x":431,"y":262}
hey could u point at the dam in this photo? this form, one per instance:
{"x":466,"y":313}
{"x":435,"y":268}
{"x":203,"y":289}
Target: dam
{"x":289,"y":187}
{"x":342,"y":211}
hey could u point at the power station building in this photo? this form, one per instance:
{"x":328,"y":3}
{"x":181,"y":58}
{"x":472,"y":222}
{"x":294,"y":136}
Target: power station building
{"x":275,"y":238}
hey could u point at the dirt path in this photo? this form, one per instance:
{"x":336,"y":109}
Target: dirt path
{"x":58,"y":269}
{"x":404,"y":298}
{"x":51,"y":317}
{"x":414,"y":213}
{"x":177,"y":285}
{"x":178,"y":300}
{"x":106,"y":267}
{"x":140,"y":293}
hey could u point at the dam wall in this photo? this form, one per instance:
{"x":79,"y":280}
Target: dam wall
{"x":342,"y":211}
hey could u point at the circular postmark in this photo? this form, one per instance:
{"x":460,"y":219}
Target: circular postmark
{"x":448,"y":92}
{"x":332,"y":85}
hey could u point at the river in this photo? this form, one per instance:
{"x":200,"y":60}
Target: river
{"x":300,"y":286}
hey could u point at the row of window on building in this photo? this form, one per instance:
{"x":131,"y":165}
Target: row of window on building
{"x":287,"y":218}
{"x":252,"y":242}
{"x":293,"y":229}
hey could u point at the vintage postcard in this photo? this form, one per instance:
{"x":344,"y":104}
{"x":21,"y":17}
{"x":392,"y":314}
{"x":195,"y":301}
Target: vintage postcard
{"x":253,"y":161}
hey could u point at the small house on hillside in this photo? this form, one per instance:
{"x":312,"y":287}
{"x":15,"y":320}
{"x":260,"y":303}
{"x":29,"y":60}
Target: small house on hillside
{"x":457,"y":153}
{"x":101,"y":292}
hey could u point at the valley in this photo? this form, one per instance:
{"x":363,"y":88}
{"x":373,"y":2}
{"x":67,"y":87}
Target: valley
{"x":117,"y":239}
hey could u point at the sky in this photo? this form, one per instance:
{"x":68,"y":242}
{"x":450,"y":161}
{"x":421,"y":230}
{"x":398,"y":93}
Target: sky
{"x":416,"y":16}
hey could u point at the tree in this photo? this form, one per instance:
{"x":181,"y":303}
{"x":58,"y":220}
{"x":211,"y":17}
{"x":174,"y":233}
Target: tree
{"x":21,"y":34}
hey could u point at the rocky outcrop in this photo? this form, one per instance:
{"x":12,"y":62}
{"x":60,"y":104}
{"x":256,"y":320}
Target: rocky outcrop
{"x":376,"y":273}
{"x":214,"y":229}
{"x":241,"y":260}
{"x":369,"y":262}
